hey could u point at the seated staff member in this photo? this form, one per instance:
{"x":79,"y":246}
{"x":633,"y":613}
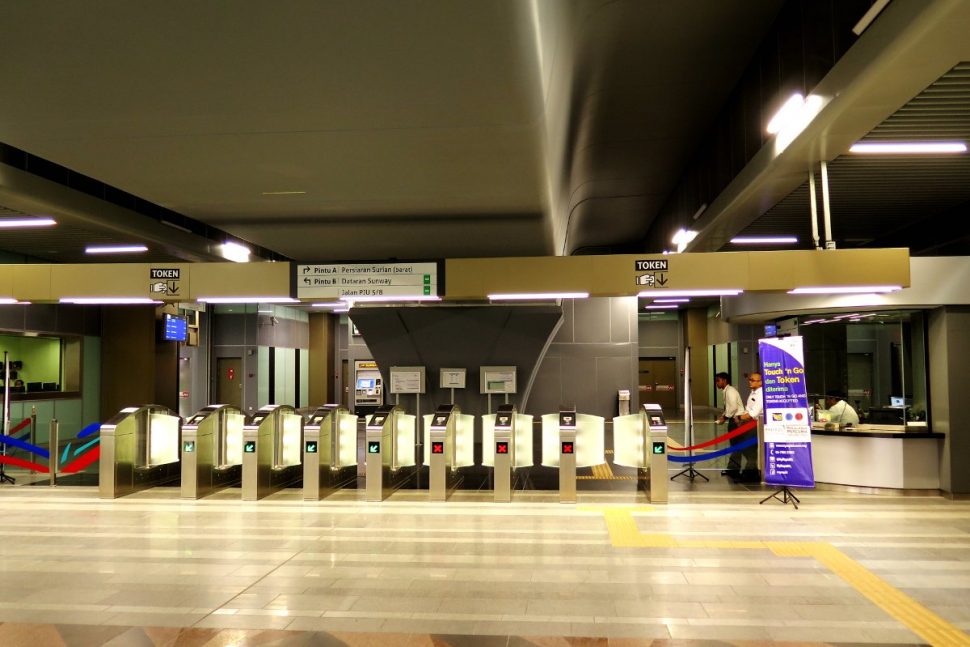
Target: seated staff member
{"x":753,"y":409}
{"x":840,"y":412}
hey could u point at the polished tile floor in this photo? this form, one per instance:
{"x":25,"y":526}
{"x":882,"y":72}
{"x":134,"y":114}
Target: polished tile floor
{"x":712,"y":564}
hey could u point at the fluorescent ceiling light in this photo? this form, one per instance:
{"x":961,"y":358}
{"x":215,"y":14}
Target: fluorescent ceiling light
{"x":284,"y":193}
{"x":764,"y":240}
{"x":664,"y":307}
{"x":341,"y":310}
{"x":538,"y":296}
{"x":690,"y":293}
{"x":329,"y":304}
{"x":247,"y":300}
{"x":235,"y":252}
{"x":6,"y":301}
{"x":847,"y":289}
{"x":908,"y":148}
{"x":109,"y":300}
{"x":401,"y":297}
{"x":114,"y":249}
{"x":27,"y":222}
{"x":671,"y":300}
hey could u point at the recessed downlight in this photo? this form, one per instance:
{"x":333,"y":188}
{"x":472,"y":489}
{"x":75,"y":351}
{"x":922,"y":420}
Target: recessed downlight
{"x":247,"y":300}
{"x":537,"y":296}
{"x":689,"y":293}
{"x":105,"y":301}
{"x":847,"y":289}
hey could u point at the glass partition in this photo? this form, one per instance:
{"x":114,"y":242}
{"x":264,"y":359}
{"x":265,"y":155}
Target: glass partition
{"x":876,"y":360}
{"x":41,"y":365}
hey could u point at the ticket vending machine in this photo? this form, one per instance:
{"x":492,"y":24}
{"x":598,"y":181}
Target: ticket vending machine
{"x":368,"y":387}
{"x":449,"y":437}
{"x":139,"y":450}
{"x":506,"y":445}
{"x":640,"y":441}
{"x":212,"y":453}
{"x":389,"y":451}
{"x":271,"y":451}
{"x":571,"y":440}
{"x":329,"y":451}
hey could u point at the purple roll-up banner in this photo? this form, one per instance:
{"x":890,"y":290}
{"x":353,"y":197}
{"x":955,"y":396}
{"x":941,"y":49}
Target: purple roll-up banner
{"x":788,"y":429}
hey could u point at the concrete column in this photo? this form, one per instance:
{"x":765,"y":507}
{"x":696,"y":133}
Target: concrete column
{"x":949,"y":348}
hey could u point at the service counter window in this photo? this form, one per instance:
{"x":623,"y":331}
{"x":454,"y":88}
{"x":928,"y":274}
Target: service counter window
{"x":40,"y":366}
{"x":876,"y":360}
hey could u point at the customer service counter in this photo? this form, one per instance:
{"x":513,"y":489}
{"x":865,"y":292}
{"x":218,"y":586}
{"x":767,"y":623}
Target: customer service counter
{"x":904,"y":460}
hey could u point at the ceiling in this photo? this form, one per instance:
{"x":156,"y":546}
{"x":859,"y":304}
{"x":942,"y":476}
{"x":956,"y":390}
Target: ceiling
{"x":373,"y":129}
{"x":379,"y":129}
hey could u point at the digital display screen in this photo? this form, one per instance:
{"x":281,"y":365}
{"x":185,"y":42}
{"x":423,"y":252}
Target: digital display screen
{"x":502,"y":447}
{"x":311,"y":447}
{"x":373,"y":448}
{"x":437,"y":448}
{"x":376,"y":421}
{"x":174,"y":328}
{"x":568,"y":448}
{"x":771,"y":330}
{"x":366,"y":383}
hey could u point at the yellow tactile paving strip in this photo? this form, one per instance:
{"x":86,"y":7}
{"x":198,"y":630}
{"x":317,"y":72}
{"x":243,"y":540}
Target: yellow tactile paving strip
{"x":624,"y":533}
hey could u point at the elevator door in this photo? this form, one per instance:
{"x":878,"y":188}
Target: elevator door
{"x":658,"y":382}
{"x":229,"y":382}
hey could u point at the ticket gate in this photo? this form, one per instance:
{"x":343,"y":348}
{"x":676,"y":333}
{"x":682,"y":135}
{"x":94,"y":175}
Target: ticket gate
{"x":571,"y":440}
{"x":640,"y":441}
{"x":329,"y":451}
{"x":449,"y":437}
{"x":389,"y":445}
{"x":506,"y":446}
{"x":139,"y":450}
{"x":272,"y":439}
{"x":212,"y":453}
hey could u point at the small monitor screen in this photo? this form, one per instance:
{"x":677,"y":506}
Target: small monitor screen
{"x":895,"y":401}
{"x":365,"y":383}
{"x":174,"y":328}
{"x":771,"y":330}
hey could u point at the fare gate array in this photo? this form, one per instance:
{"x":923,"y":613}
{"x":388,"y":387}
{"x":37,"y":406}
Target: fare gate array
{"x":147,"y":446}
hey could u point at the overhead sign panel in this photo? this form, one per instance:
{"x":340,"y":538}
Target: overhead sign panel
{"x":336,"y":280}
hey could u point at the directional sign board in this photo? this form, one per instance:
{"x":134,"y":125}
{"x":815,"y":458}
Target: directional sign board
{"x":337,"y":280}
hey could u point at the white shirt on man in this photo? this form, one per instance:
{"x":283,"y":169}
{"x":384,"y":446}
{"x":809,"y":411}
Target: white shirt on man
{"x":733,"y":406}
{"x":842,"y":413}
{"x":755,"y":404}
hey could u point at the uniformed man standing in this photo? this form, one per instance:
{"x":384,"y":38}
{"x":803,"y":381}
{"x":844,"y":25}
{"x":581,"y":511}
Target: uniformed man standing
{"x":752,"y":411}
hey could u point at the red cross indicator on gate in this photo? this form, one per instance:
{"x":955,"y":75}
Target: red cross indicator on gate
{"x":437,"y":448}
{"x":567,"y":448}
{"x":502,"y":447}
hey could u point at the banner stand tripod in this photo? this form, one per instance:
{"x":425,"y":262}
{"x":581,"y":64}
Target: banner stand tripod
{"x":786,"y":497}
{"x":688,"y":471}
{"x":4,"y":477}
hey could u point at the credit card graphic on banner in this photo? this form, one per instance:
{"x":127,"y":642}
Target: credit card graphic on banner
{"x":788,"y":430}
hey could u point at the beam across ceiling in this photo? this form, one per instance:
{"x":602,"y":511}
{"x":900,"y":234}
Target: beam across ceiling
{"x":474,"y":279}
